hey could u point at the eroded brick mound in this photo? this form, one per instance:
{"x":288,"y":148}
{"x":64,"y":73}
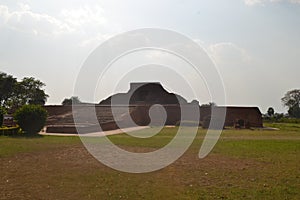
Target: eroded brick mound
{"x":62,"y":115}
{"x":144,"y":94}
{"x":61,"y":119}
{"x":135,"y":105}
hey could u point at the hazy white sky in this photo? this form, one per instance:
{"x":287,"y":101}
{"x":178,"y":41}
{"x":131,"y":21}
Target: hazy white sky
{"x":255,"y":43}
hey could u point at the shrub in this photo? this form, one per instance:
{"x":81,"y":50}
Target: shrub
{"x":9,"y":131}
{"x":31,"y":118}
{"x":283,"y":120}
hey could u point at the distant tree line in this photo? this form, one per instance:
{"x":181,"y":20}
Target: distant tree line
{"x":70,"y":101}
{"x":271,"y":115}
{"x":14,"y":93}
{"x":291,"y":100}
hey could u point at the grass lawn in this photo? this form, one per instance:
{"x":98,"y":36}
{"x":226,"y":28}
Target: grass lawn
{"x":245,"y":164}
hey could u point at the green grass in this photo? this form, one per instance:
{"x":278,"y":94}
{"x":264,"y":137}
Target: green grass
{"x":10,"y":146}
{"x":285,"y":126}
{"x":245,"y":164}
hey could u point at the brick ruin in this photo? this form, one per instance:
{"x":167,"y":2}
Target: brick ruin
{"x":135,"y":104}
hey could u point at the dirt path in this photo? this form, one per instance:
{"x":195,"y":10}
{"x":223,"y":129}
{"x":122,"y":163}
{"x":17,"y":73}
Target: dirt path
{"x":99,"y":134}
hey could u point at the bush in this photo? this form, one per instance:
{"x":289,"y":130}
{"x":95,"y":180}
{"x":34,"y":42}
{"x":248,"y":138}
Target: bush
{"x":283,"y":120}
{"x":9,"y":131}
{"x":31,"y":118}
{"x":2,"y":112}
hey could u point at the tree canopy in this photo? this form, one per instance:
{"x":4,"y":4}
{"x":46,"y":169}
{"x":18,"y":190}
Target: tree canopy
{"x":210,"y":104}
{"x":271,"y":112}
{"x":14,"y":93}
{"x":7,"y":87}
{"x":292,"y":100}
{"x":70,"y":101}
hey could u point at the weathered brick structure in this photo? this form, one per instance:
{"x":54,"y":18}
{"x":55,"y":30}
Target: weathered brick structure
{"x":243,"y":117}
{"x":135,"y":104}
{"x":146,"y":94}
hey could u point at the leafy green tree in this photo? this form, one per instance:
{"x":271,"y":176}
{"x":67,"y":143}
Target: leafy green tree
{"x":278,"y":116}
{"x":292,"y":100}
{"x":271,"y":112}
{"x":2,"y":112}
{"x":70,"y":101}
{"x":14,"y":94}
{"x":32,"y":92}
{"x":210,"y":104}
{"x":7,"y":86}
{"x":31,"y":118}
{"x":294,"y":111}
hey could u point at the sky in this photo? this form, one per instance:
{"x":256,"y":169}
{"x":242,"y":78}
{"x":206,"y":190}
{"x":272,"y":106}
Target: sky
{"x":255,"y":44}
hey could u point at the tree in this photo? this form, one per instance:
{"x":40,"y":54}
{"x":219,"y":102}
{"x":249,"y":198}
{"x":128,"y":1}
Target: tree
{"x":271,"y":112}
{"x":70,"y":101}
{"x":294,"y":111}
{"x":14,"y":94}
{"x":31,"y":118}
{"x":292,"y":100}
{"x":7,"y":86}
{"x":32,"y":92}
{"x":278,"y":116}
{"x":2,"y":112}
{"x":210,"y":104}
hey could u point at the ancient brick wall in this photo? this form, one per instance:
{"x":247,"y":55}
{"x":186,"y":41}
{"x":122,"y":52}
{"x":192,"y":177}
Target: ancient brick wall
{"x":141,"y":97}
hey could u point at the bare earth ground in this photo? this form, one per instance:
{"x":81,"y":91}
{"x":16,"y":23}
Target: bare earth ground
{"x":236,"y":169}
{"x":60,"y":174}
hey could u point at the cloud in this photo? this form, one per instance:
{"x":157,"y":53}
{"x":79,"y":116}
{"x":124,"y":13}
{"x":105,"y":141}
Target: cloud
{"x":228,"y":53}
{"x":87,"y":24}
{"x":84,"y":16}
{"x":263,"y":2}
{"x":25,"y":20}
{"x":4,"y":14}
{"x":253,"y":2}
{"x":91,"y":23}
